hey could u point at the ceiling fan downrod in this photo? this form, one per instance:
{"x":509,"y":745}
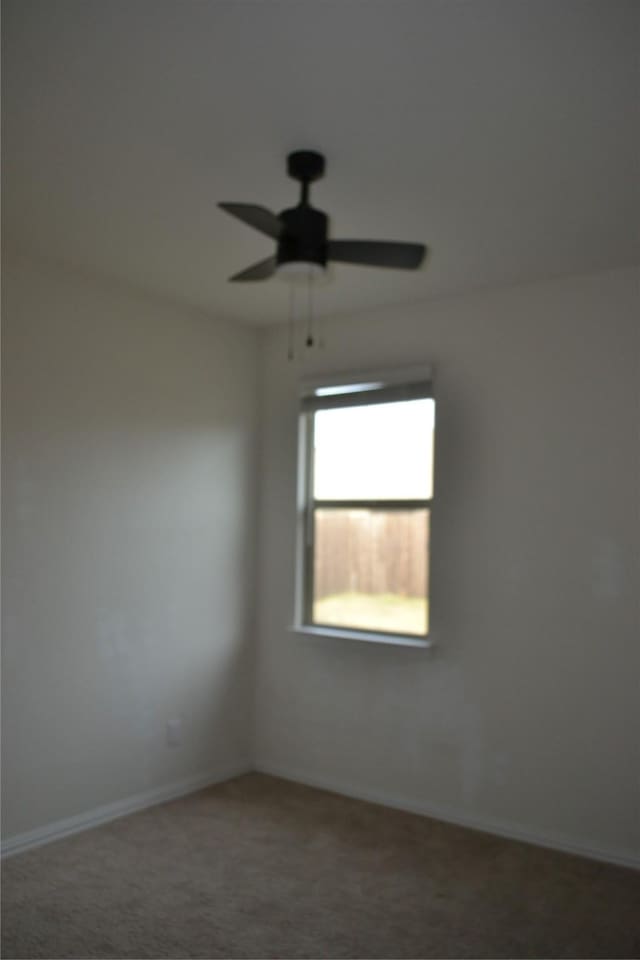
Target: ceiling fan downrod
{"x":306,"y":166}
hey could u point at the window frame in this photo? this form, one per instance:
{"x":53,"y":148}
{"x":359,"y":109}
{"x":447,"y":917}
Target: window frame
{"x":389,"y":386}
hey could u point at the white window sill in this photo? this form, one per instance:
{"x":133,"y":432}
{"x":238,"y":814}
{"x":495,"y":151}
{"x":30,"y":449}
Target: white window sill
{"x":339,"y":633}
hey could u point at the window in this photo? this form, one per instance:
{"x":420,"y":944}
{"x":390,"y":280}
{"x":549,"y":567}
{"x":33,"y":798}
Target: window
{"x":366,"y":493}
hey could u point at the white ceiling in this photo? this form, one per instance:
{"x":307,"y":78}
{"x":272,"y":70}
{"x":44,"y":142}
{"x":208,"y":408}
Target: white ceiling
{"x":503,"y":133}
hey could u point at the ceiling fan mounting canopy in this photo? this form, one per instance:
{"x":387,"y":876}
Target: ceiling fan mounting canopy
{"x":305,"y":165}
{"x":302,"y":233}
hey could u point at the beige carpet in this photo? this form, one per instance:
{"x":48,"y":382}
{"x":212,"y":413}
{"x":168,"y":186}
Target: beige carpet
{"x":259,"y":867}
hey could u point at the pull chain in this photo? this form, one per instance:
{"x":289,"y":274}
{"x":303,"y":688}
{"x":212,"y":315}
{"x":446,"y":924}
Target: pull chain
{"x":310,"y":340}
{"x":292,"y":331}
{"x":320,"y":329}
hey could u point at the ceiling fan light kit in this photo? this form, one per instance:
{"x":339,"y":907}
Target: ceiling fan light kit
{"x":302,"y":234}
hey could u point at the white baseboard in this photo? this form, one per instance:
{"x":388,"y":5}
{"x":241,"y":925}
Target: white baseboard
{"x":111,"y":811}
{"x":485,"y":825}
{"x":139,"y":801}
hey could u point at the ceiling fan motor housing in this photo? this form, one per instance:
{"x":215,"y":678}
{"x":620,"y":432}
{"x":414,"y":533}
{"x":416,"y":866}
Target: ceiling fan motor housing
{"x":303,"y":237}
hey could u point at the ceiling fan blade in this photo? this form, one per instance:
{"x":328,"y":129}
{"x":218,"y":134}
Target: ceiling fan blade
{"x":258,"y":217}
{"x":259,"y":271}
{"x":377,"y":253}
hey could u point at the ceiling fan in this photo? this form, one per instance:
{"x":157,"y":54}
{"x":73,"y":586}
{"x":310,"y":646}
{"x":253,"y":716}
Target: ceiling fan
{"x":302,"y":233}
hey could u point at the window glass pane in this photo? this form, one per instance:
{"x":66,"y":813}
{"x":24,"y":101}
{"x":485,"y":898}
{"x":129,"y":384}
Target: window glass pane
{"x":371,"y":570}
{"x":377,"y":452}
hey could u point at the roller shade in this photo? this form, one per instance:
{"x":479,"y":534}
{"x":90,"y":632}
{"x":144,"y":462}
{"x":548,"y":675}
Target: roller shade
{"x":351,"y":390}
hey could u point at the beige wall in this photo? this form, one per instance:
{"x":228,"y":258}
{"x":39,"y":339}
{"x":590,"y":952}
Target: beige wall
{"x":526,"y":717}
{"x":128,"y":510}
{"x":129,"y":440}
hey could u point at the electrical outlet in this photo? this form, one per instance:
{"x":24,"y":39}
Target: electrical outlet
{"x":174,"y":732}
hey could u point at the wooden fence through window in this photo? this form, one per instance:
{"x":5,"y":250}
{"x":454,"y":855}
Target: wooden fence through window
{"x":372,"y":552}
